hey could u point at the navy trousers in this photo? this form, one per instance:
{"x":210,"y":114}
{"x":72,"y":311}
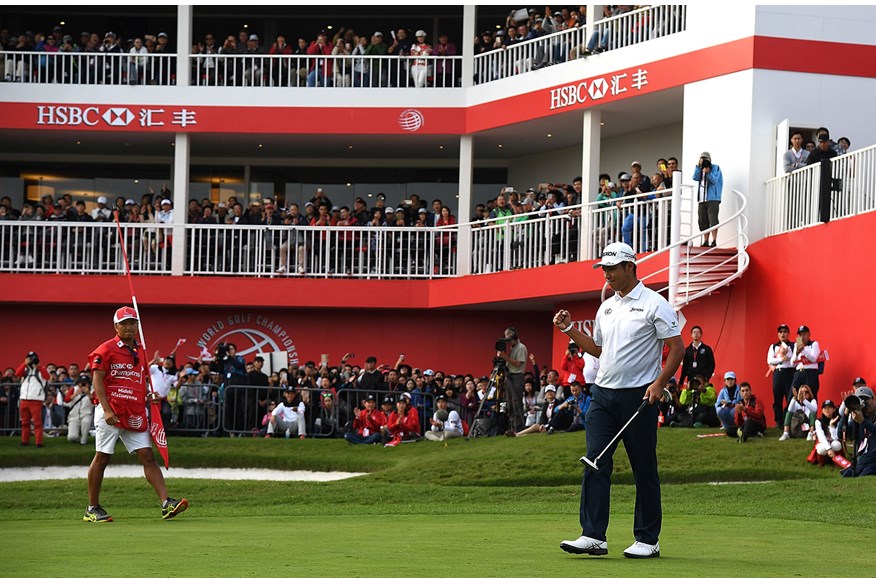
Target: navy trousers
{"x":609,"y":410}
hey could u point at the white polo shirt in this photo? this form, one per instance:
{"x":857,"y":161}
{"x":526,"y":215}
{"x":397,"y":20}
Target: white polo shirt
{"x":161,"y":380}
{"x":630,"y":329}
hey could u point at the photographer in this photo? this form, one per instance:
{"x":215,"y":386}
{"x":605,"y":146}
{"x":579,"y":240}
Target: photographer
{"x":711,"y":184}
{"x":569,"y":415}
{"x":514,"y":353}
{"x":80,"y":401}
{"x":863,"y":430}
{"x":34,"y":381}
{"x":572,"y":365}
{"x":698,"y":399}
{"x":232,"y":373}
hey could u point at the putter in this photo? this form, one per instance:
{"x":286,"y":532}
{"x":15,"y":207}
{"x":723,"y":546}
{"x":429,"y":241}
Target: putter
{"x":592,"y":463}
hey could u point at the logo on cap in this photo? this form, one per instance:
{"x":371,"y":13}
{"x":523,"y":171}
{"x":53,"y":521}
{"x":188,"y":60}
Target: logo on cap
{"x":125,"y":313}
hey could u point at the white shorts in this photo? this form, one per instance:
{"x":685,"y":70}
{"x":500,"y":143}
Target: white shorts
{"x":106,"y":437}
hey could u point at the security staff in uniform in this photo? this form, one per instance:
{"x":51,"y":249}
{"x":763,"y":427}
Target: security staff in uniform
{"x":628,"y":336}
{"x":805,"y":359}
{"x":779,"y":359}
{"x":699,"y":359}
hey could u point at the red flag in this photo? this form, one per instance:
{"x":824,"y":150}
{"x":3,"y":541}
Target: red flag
{"x":156,"y":429}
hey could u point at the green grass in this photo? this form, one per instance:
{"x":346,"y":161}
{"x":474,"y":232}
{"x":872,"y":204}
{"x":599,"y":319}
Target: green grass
{"x":485,"y":508}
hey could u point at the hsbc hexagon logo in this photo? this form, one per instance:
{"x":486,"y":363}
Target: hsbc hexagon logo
{"x":598,"y":88}
{"x":118,"y":116}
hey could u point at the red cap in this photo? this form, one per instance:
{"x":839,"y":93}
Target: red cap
{"x":124,"y":313}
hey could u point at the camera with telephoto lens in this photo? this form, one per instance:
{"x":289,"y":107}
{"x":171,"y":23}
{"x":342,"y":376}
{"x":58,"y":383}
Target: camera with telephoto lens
{"x":706,"y":163}
{"x":34,"y":358}
{"x":221,"y":352}
{"x":502,"y":345}
{"x":853,"y":403}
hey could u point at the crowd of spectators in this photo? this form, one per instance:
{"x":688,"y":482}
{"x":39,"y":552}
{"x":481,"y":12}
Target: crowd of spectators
{"x":245,"y":59}
{"x":296,"y":253}
{"x":803,"y":152}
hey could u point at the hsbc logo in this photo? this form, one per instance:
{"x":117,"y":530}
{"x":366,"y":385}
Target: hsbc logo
{"x":118,"y":116}
{"x":72,"y":115}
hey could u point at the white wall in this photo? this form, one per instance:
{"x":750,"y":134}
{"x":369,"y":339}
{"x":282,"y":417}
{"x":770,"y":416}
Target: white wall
{"x":846,"y":24}
{"x":616,"y":154}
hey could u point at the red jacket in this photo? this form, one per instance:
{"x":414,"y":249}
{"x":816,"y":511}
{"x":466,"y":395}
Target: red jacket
{"x":572,"y":365}
{"x":753,"y":411}
{"x":372,"y":422}
{"x":326,"y":64}
{"x":407,"y":424}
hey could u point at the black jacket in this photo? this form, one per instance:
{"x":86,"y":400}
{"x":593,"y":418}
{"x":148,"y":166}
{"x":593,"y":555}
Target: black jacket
{"x":705,"y":363}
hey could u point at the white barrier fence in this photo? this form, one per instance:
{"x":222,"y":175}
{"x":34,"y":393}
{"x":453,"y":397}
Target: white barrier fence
{"x":792,"y":200}
{"x":616,"y":32}
{"x":89,"y":68}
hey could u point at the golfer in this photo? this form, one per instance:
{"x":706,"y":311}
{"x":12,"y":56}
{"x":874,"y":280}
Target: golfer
{"x":120,"y":385}
{"x":628,"y":338}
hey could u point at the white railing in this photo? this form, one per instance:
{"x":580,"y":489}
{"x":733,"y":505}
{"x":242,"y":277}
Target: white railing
{"x":792,"y":200}
{"x":90,"y":68}
{"x":83,"y":248}
{"x":525,"y":56}
{"x":325,"y":71}
{"x":610,"y":33}
{"x":638,"y":26}
{"x":733,"y":234}
{"x":359,"y":252}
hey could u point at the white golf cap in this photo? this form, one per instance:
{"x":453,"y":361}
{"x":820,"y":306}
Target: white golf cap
{"x":615,"y":253}
{"x":101,"y":200}
{"x":421,"y":33}
{"x":550,"y":387}
{"x":166,"y":202}
{"x":730,"y":375}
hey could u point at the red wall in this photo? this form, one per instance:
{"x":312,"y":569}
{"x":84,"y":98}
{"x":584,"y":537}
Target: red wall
{"x":453,"y":341}
{"x":822,"y":277}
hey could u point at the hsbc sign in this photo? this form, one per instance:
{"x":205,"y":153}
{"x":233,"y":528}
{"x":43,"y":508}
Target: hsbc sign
{"x":67,"y":115}
{"x":115,"y":117}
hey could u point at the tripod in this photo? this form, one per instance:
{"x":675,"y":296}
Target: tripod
{"x":496,"y":391}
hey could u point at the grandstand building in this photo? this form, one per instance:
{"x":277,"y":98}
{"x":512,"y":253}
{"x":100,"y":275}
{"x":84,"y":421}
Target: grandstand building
{"x":674,"y":81}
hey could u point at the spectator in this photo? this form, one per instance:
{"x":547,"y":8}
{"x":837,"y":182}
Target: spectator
{"x":378,"y":48}
{"x":342,"y":65}
{"x":32,"y":393}
{"x":320,"y":70}
{"x":699,"y":359}
{"x":445,"y":72}
{"x":329,"y":420}
{"x":572,"y":365}
{"x":729,"y":396}
{"x":569,"y":415}
{"x":137,"y":62}
{"x":711,"y":184}
{"x":368,"y":422}
{"x":805,"y":358}
{"x":698,"y":403}
{"x":843,"y":145}
{"x":824,"y":151}
{"x":288,"y":416}
{"x":80,"y":403}
{"x":280,"y":67}
{"x":863,"y":431}
{"x":403,"y":424}
{"x":531,"y":405}
{"x":796,"y":157}
{"x":749,"y":419}
{"x":253,"y":66}
{"x":420,"y":66}
{"x":548,"y":412}
{"x":637,"y":216}
{"x":102,"y":212}
{"x":779,"y":357}
{"x":445,"y":423}
{"x":800,"y":418}
{"x":400,"y":47}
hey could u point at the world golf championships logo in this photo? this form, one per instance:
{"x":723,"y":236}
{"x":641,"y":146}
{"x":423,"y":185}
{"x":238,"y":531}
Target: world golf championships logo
{"x":411,"y":120}
{"x":251,"y":334}
{"x":158,"y":434}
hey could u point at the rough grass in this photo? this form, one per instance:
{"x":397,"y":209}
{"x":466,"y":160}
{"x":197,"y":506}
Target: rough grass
{"x":485,"y":508}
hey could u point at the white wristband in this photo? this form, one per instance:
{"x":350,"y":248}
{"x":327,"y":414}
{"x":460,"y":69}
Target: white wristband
{"x":567,"y":329}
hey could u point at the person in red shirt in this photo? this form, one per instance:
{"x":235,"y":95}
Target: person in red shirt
{"x":119,"y":379}
{"x":34,"y":381}
{"x":749,"y":417}
{"x":572,"y":366}
{"x":367,"y":424}
{"x":404,"y":423}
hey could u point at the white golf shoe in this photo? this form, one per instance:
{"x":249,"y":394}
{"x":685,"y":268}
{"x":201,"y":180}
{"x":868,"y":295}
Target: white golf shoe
{"x":584,"y":545}
{"x":641,"y":550}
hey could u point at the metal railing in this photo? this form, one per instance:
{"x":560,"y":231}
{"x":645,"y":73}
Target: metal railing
{"x":680,"y":291}
{"x":83,"y":248}
{"x":611,"y":33}
{"x":361,"y":252}
{"x":90,"y":68}
{"x":325,"y":71}
{"x":792,"y":200}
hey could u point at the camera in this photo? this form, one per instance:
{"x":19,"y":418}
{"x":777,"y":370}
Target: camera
{"x":221,"y":351}
{"x":706,"y":163}
{"x":853,"y":403}
{"x":34,"y":358}
{"x":502,"y":345}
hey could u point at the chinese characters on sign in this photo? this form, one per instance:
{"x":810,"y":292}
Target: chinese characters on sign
{"x":73,"y":115}
{"x":598,"y":88}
